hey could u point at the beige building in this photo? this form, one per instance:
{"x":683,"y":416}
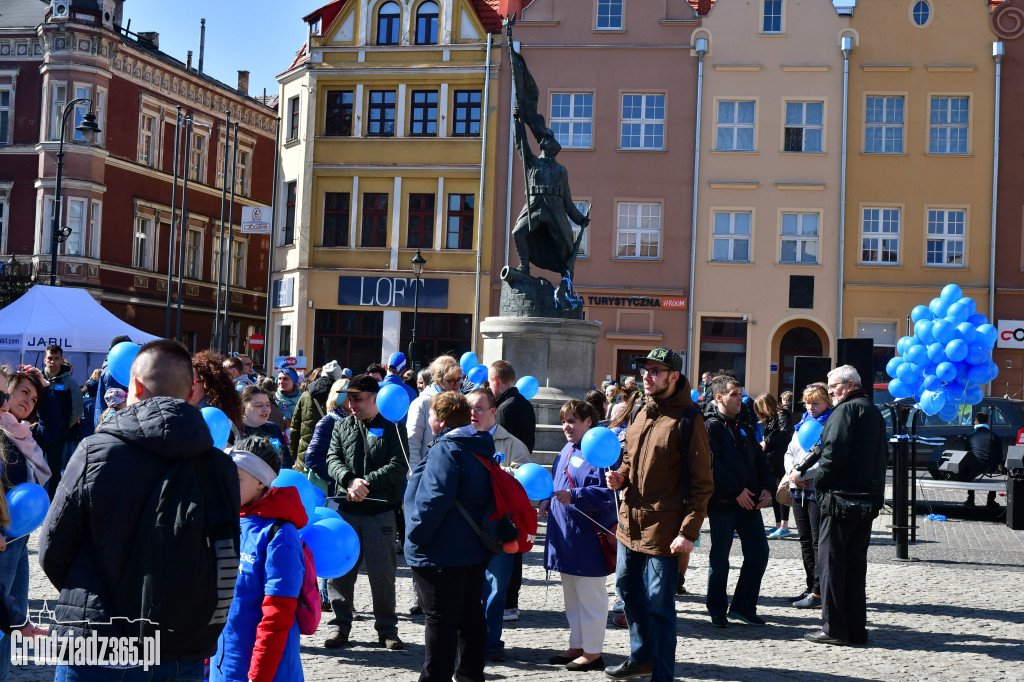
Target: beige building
{"x":768,"y":212}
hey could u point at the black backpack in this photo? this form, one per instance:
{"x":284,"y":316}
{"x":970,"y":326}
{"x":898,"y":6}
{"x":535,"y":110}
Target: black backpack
{"x":183,"y":564}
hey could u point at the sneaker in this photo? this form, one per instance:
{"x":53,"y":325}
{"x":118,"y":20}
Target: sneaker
{"x":720,"y":621}
{"x":620,"y":621}
{"x":415,"y":609}
{"x":681,"y":590}
{"x":392,"y":643}
{"x":510,"y":615}
{"x":497,"y":655}
{"x":779,"y":533}
{"x":749,"y":619}
{"x":769,"y":531}
{"x":629,"y":669}
{"x":619,"y":606}
{"x":808,"y":602}
{"x":798,"y":597}
{"x":336,"y":640}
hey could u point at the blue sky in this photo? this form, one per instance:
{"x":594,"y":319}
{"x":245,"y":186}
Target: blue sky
{"x":258,"y":35}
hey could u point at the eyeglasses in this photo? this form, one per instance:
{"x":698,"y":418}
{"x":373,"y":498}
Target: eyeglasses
{"x":836,"y":385}
{"x":453,"y":380}
{"x":653,"y":372}
{"x":481,"y":410}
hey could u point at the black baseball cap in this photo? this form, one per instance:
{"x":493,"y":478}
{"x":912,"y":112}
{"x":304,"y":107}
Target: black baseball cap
{"x":667,"y":357}
{"x":362,"y":382}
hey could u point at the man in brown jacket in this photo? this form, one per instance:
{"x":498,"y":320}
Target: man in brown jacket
{"x":666,"y":482}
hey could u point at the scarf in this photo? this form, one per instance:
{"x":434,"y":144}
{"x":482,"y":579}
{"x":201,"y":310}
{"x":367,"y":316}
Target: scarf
{"x":820,"y":418}
{"x":20,"y":434}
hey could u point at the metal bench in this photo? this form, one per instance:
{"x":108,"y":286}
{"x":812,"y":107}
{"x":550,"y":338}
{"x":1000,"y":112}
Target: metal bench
{"x":982,"y":484}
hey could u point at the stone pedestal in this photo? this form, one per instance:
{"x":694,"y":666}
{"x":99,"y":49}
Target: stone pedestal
{"x":558,"y":353}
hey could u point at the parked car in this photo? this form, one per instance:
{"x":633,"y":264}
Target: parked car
{"x":1005,"y":417}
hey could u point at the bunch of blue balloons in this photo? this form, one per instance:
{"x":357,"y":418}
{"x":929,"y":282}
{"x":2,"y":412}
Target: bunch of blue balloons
{"x":334,"y":543}
{"x":948,"y":359}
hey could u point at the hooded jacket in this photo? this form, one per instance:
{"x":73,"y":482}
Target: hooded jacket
{"x":383,"y":465}
{"x":656,"y":505}
{"x":261,"y":638}
{"x":310,"y":409}
{"x":68,"y":394}
{"x":90,"y":529}
{"x":737,"y":460}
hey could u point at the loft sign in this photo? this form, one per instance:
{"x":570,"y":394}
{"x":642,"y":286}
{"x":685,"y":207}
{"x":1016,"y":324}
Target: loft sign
{"x":392,"y":292}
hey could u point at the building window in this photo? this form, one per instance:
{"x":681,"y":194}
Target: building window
{"x":883,"y":126}
{"x":146,"y":140}
{"x":238,"y":263}
{"x":947,"y":133}
{"x":584,"y":208}
{"x":946,"y":237}
{"x":142,"y":244}
{"x":734,"y":129}
{"x":95,"y":222}
{"x":800,"y":238}
{"x":467,"y":113}
{"x":921,"y":13}
{"x":284,"y":340}
{"x":723,"y":344}
{"x":3,"y":220}
{"x":731,"y":241}
{"x":336,"y":218}
{"x":643,"y":122}
{"x":804,"y":122}
{"x":880,"y":244}
{"x":459,"y":234}
{"x":426,"y":23}
{"x":293,"y":118}
{"x":421,"y":221}
{"x":375,"y":220}
{"x":234,"y":332}
{"x":338,"y":117}
{"x":382,"y":113}
{"x":242,"y":172}
{"x":389,"y":18}
{"x":58,"y":98}
{"x":194,"y":254}
{"x":423,"y":119}
{"x":288,"y":229}
{"x":771,"y":16}
{"x":5,"y":116}
{"x":197,"y":157}
{"x":572,"y":119}
{"x":638,"y":234}
{"x":609,"y":14}
{"x":436,"y":334}
{"x":74,"y":245}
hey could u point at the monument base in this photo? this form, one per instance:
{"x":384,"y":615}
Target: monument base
{"x":559,"y":353}
{"x":523,"y":295}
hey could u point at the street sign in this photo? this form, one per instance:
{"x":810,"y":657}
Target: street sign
{"x":298,"y":363}
{"x":256,"y":341}
{"x":255,"y":220}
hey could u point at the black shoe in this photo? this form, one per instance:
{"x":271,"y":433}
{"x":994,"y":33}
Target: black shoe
{"x":629,"y":669}
{"x":497,"y":655}
{"x":748,"y":618}
{"x":821,"y":638}
{"x":720,"y":621}
{"x":561,"y":660}
{"x":415,"y":610}
{"x":596,"y":664}
{"x":681,"y":590}
{"x":800,"y":596}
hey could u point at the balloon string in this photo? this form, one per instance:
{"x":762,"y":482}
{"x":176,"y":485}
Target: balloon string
{"x":579,"y":511}
{"x":345,"y":497}
{"x":408,"y":474}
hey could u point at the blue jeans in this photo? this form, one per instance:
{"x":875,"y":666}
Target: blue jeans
{"x":748,"y":524}
{"x":13,"y":582}
{"x":168,"y":671}
{"x":647,"y":585}
{"x":499,"y":570}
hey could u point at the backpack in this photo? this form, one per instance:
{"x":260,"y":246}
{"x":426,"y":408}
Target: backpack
{"x":512,"y":528}
{"x":308,"y":608}
{"x":183,"y":564}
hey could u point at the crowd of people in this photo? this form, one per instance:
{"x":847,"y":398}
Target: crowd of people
{"x":414,"y":486}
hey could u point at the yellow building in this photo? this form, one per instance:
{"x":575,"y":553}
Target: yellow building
{"x":920,"y":150}
{"x":386,"y":149}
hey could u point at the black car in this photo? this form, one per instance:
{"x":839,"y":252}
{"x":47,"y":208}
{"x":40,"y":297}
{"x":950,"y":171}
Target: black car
{"x":1005,"y":418}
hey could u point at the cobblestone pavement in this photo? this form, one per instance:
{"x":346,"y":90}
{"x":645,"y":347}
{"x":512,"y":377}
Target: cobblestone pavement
{"x":955,"y":614}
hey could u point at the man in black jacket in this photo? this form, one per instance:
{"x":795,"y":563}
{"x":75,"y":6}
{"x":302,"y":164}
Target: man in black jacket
{"x":68,"y":395}
{"x":988,"y":450}
{"x":88,"y":546}
{"x":743,"y":485}
{"x":853,"y":456}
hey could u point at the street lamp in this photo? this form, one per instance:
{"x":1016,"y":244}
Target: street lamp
{"x":88,"y":128}
{"x":418,"y":261}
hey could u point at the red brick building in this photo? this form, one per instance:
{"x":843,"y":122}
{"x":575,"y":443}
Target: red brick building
{"x":116,"y":191}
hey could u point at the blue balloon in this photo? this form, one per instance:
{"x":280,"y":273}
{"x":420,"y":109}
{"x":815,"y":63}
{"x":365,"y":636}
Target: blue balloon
{"x":966,"y":331}
{"x":917,"y":354}
{"x":932,"y":382}
{"x":921,"y":312}
{"x":335,"y":547}
{"x":393,"y":402}
{"x":478,"y":374}
{"x":949,"y":411}
{"x":219,"y":425}
{"x":993,"y":371}
{"x":322,"y":512}
{"x":893,"y":364}
{"x":973,"y":396}
{"x":536,"y":481}
{"x":120,"y":359}
{"x":986,"y":336}
{"x":946,"y":371}
{"x":923,"y":331}
{"x":957,"y":313}
{"x":694,"y":395}
{"x":321,"y":497}
{"x":977,"y":319}
{"x":307,"y":491}
{"x":977,"y":354}
{"x":898,"y":390}
{"x":936,"y":352}
{"x":528,"y":387}
{"x":939,"y":307}
{"x":809,"y":433}
{"x":468,"y":361}
{"x":908,"y":373}
{"x":977,"y":375}
{"x":943,"y":331}
{"x":972,"y":307}
{"x":904,"y":343}
{"x":28,"y":504}
{"x":600,"y":447}
{"x":951,"y":292}
{"x":932,"y":402}
{"x":956,"y":350}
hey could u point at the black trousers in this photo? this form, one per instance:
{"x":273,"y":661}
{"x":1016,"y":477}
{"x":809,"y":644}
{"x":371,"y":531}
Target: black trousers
{"x":452,"y":604}
{"x":515,"y":581}
{"x":843,"y":563}
{"x":808,"y":520}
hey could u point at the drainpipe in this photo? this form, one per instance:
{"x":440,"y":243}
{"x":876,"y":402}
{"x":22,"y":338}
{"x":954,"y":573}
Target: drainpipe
{"x":480,"y":201}
{"x":998,"y":50}
{"x":846,"y":46}
{"x":702,"y":49}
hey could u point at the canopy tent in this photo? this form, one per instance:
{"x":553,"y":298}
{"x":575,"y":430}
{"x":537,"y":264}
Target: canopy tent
{"x":67,"y":316}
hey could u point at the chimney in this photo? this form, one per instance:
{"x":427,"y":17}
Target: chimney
{"x":243,"y":82}
{"x":202,"y":42}
{"x":150,"y":37}
{"x":188,"y":61}
{"x":703,"y":7}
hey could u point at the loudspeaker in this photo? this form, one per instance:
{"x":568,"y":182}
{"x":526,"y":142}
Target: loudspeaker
{"x":809,"y":369}
{"x":859,"y":353}
{"x":961,"y":465}
{"x":1015,"y":502}
{"x":1015,"y":459}
{"x":938,"y":459}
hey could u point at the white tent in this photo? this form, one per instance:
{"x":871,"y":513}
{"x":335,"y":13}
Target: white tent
{"x":67,"y":316}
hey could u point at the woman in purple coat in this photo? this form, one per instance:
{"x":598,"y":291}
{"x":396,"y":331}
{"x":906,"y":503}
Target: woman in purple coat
{"x":581,"y":507}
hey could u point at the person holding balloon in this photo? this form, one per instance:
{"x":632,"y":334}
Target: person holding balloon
{"x":255,"y":416}
{"x":260,"y":641}
{"x":777,"y":426}
{"x":581,"y":509}
{"x":122,"y":361}
{"x":319,"y":444}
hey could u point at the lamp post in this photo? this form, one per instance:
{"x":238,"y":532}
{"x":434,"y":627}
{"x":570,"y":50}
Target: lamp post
{"x":418,"y":261}
{"x":88,"y":128}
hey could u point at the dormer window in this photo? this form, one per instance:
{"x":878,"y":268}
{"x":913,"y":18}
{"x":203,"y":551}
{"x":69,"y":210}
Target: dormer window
{"x":389,"y":19}
{"x":426,"y":23}
{"x":315,"y":27}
